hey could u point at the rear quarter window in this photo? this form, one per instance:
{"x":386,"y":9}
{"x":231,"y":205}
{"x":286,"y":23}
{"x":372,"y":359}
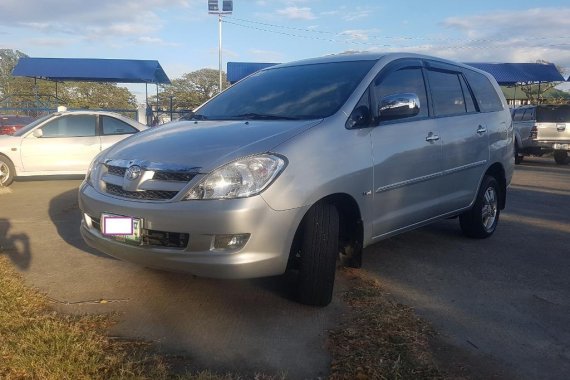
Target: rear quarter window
{"x":485,"y":94}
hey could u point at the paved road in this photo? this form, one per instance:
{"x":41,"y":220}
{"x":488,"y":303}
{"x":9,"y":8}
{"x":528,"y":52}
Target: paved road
{"x":504,"y":301}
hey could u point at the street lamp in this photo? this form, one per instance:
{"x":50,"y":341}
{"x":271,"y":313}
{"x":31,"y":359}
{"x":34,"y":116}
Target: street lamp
{"x":214,"y":9}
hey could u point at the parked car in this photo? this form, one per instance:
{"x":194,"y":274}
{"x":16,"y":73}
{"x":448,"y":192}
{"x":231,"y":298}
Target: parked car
{"x":542,"y":129}
{"x":304,"y":162}
{"x":9,"y":124}
{"x":61,"y":143}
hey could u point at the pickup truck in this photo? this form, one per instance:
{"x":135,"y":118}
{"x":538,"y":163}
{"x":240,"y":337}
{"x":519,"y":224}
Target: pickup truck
{"x":542,"y":129}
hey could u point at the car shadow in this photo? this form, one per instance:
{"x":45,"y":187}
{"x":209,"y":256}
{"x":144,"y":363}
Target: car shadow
{"x":15,"y":246}
{"x":65,"y":214}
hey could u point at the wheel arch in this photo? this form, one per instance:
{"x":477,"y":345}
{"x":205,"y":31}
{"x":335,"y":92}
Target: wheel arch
{"x":351,"y":231}
{"x":497,"y":171}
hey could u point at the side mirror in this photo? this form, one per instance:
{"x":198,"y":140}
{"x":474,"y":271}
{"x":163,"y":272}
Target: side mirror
{"x":38,"y":133}
{"x":398,"y":106}
{"x":359,"y":118}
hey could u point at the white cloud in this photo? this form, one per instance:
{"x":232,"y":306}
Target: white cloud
{"x":300,"y":13}
{"x":356,"y":35}
{"x":90,"y":19}
{"x":510,"y":36}
{"x":156,"y":41}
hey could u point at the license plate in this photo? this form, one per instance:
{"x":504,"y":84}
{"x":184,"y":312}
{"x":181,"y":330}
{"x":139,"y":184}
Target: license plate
{"x":121,"y":228}
{"x":561,"y":146}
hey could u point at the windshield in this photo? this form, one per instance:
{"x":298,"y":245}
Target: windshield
{"x":553,"y":114}
{"x":288,"y":93}
{"x":32,"y":125}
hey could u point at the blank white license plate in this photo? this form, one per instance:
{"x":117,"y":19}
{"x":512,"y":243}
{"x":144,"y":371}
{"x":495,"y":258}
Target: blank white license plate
{"x":562,"y":146}
{"x":121,"y":228}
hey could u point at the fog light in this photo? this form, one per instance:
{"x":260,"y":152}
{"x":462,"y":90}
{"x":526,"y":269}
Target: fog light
{"x":230,"y":242}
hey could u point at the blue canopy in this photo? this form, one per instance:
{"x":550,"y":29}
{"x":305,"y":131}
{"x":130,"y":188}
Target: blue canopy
{"x":91,"y":70}
{"x":512,"y":73}
{"x":239,"y":70}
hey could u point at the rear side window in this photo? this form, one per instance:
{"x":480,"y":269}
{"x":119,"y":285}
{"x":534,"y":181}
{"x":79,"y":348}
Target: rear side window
{"x":529,"y":114}
{"x":485,"y":93}
{"x":518,"y":114}
{"x":446,"y":92}
{"x":112,"y":126}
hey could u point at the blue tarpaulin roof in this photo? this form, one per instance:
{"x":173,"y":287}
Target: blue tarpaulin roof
{"x":92,"y":70}
{"x":504,"y":73}
{"x":239,"y":70}
{"x":511,"y":73}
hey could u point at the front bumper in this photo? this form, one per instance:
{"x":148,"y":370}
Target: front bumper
{"x":265,"y":254}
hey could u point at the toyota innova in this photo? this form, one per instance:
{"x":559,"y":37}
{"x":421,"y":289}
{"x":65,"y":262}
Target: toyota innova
{"x":303,"y":164}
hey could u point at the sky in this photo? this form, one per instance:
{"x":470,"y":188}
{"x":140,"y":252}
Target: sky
{"x":183,"y":37}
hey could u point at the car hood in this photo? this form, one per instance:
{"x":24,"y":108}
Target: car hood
{"x":206,"y":144}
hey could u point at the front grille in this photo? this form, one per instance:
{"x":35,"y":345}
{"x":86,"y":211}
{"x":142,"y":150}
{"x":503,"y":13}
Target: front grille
{"x":141,"y":195}
{"x":173,"y":176}
{"x":155,"y":238}
{"x":116,"y":170}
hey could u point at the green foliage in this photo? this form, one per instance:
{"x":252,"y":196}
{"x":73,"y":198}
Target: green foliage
{"x":191,"y":90}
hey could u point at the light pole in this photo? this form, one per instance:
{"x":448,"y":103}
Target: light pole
{"x":214,"y":9}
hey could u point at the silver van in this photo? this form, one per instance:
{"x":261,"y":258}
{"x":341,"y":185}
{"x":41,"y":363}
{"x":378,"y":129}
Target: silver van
{"x":302,"y":163}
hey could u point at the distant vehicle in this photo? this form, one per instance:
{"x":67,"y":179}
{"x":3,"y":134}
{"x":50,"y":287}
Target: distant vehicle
{"x":542,"y":129}
{"x":9,"y":124}
{"x":303,"y":163}
{"x":61,"y":143}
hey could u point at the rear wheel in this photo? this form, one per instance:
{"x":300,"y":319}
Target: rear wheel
{"x":481,"y":221}
{"x":318,"y":254}
{"x":561,"y":157}
{"x":7,"y":171}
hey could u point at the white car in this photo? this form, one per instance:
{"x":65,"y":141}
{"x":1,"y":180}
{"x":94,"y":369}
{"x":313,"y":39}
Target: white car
{"x":61,"y":143}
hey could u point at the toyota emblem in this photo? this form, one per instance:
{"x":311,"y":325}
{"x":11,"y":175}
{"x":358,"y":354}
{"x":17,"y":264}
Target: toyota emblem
{"x":133,"y":172}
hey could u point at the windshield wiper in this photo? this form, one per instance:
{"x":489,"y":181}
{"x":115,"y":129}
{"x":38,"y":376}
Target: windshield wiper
{"x":260,"y":116}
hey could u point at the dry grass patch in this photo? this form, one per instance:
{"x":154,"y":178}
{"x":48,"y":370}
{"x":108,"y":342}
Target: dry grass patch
{"x":379,"y":338}
{"x":37,"y":342}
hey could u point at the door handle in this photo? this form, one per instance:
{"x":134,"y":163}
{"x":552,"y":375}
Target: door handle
{"x":431,"y":137}
{"x":481,"y":130}
{"x":560,"y":127}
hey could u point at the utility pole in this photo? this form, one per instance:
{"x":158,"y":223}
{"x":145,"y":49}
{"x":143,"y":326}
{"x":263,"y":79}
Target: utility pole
{"x":214,"y":9}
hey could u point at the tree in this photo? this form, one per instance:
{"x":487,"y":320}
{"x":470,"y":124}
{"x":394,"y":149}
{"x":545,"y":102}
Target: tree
{"x":191,"y":90}
{"x":535,"y":92}
{"x":87,"y":95}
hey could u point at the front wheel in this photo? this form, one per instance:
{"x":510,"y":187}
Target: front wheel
{"x":481,"y":220}
{"x":318,"y":254}
{"x":561,"y":157}
{"x":7,"y":171}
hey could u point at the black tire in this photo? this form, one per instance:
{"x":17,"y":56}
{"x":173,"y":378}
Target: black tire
{"x":481,"y":220}
{"x":7,"y":171}
{"x":518,"y":156}
{"x":561,"y":157}
{"x":319,"y":251}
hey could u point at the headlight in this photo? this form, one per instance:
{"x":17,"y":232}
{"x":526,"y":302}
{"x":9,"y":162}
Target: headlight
{"x":93,"y":170}
{"x":242,"y":178}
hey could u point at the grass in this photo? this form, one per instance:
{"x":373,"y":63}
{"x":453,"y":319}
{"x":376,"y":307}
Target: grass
{"x":378,"y":339}
{"x":37,"y":342}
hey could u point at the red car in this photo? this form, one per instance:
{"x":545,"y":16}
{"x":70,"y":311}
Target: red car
{"x":11,"y":123}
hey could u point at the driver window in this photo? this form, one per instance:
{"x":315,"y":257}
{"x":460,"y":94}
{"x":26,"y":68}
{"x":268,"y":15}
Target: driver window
{"x":406,"y":80}
{"x":71,"y":126}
